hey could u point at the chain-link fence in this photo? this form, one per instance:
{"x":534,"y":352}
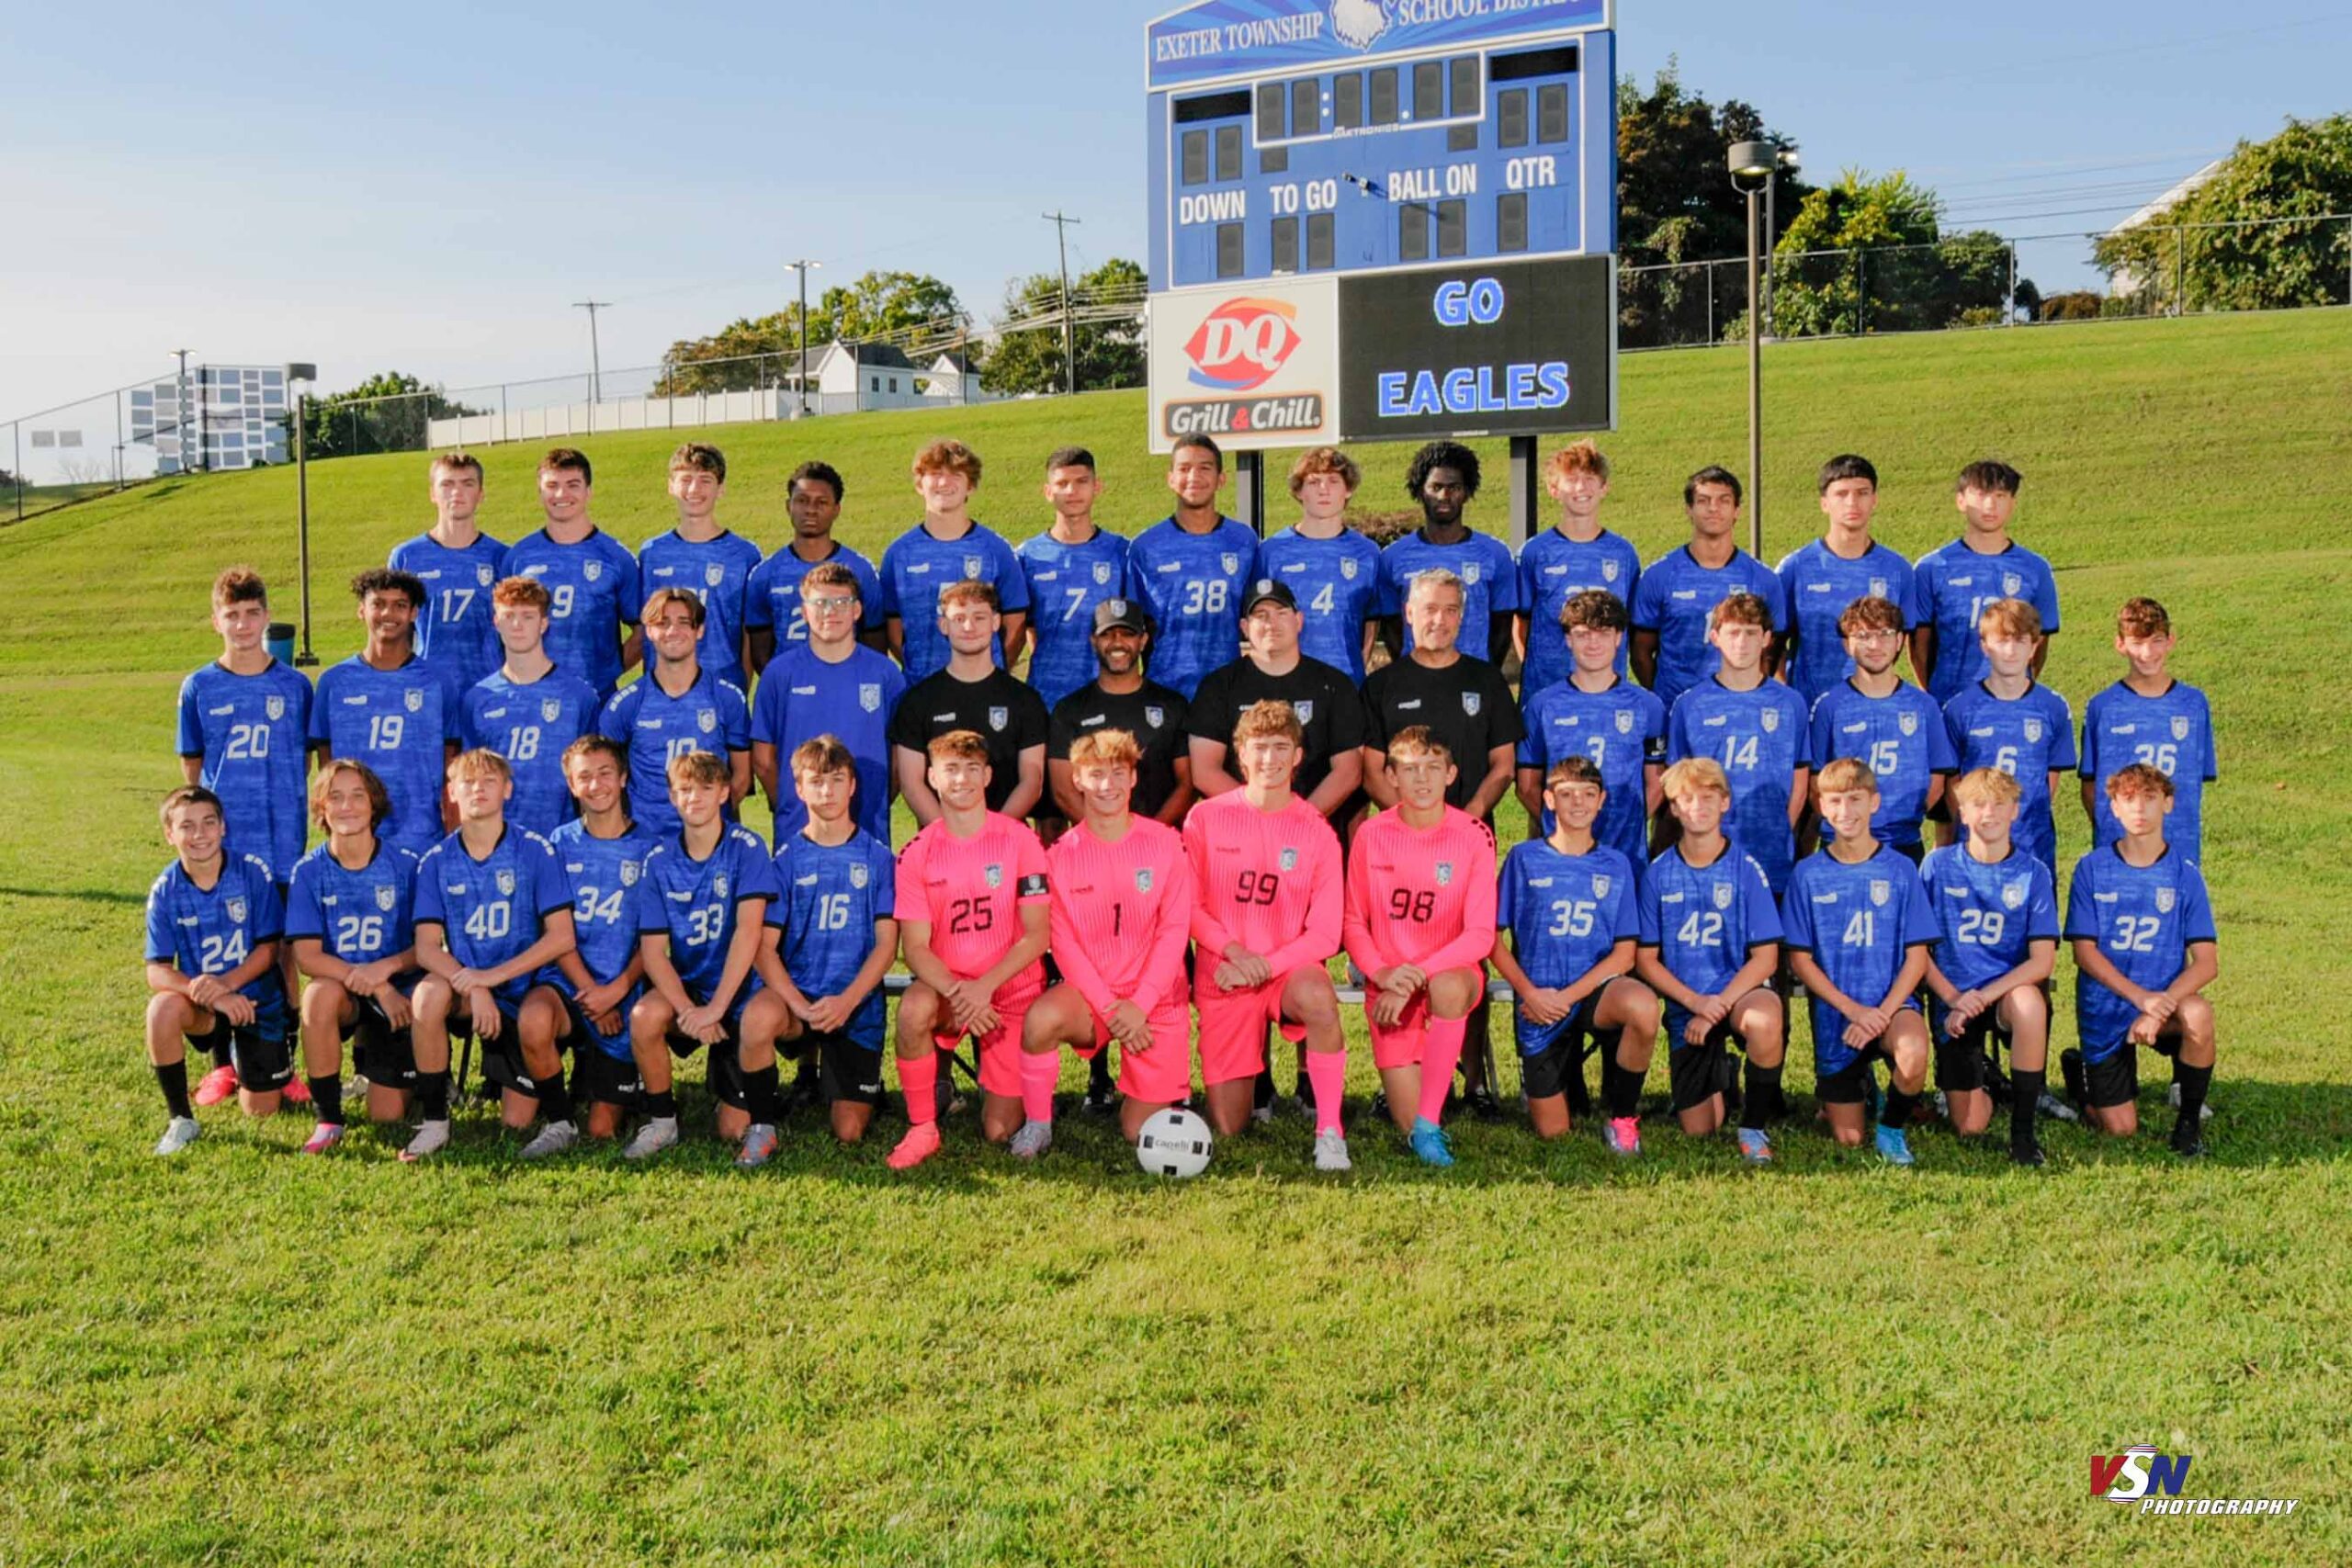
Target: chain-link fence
{"x":202,"y":419}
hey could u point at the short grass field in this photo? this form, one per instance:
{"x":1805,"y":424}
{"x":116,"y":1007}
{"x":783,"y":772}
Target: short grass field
{"x":1540,"y":1356}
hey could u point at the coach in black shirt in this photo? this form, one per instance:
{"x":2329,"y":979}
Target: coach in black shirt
{"x":972,"y":692}
{"x":1464,"y":701}
{"x":1328,"y":705}
{"x":1120,"y":698}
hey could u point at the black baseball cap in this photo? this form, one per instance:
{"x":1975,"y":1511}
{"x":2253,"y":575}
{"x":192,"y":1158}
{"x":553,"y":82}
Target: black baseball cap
{"x":1267,"y":588}
{"x":1121,"y":613}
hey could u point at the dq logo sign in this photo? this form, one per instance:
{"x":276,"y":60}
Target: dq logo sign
{"x":1241,"y":344}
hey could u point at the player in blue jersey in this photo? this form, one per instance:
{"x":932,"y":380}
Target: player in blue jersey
{"x":391,"y":710}
{"x":1996,"y":910}
{"x":1331,"y":568}
{"x":1071,"y":568}
{"x":1599,"y":715}
{"x":527,"y":710}
{"x":213,"y":926}
{"x":1876,"y":715}
{"x":2150,"y":718}
{"x":1709,"y":944}
{"x":492,"y":914}
{"x":590,"y":579}
{"x":829,"y":685}
{"x":700,"y":907}
{"x":1859,"y":926}
{"x":1567,"y":916}
{"x":1680,"y":589}
{"x":1819,"y":578}
{"x":2145,"y":943}
{"x":1188,"y":571}
{"x":946,"y":546}
{"x":1442,"y":479}
{"x":1755,"y":729}
{"x":706,"y":559}
{"x":603,"y":855}
{"x":2006,"y":719}
{"x":678,"y":707}
{"x":832,"y":933}
{"x":1952,"y":584}
{"x":771,"y":607}
{"x":457,"y":563}
{"x":349,"y":919}
{"x":1566,"y":560}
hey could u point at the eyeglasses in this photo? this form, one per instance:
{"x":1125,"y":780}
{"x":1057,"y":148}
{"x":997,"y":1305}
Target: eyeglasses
{"x":836,"y":602}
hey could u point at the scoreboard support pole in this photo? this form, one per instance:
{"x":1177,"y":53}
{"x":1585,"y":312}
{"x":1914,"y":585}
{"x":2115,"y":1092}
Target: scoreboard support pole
{"x":1249,"y":491}
{"x":1526,"y":490}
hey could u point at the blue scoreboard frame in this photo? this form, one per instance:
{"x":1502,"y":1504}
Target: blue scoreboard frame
{"x":1297,"y":137}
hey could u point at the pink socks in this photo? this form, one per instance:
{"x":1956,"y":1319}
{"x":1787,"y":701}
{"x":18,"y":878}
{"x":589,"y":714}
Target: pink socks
{"x":1327,"y":1071}
{"x":919,"y":1081}
{"x":1441,"y":1053}
{"x":1040,"y":1071}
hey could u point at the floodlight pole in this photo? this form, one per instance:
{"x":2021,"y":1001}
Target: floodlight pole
{"x":1752,"y":165}
{"x":1069,"y":333}
{"x":304,"y":658}
{"x":801,"y":269}
{"x":595,"y":357}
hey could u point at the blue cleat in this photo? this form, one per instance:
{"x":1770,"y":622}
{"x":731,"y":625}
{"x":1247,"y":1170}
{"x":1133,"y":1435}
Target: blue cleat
{"x":1755,"y":1146}
{"x":1428,"y":1142}
{"x":1893,"y":1146}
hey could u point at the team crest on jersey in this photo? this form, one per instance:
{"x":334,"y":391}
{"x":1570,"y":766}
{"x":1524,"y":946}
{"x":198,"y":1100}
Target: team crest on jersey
{"x":1878,"y":588}
{"x":1769,"y":718}
{"x":718,"y":885}
{"x":416,"y":700}
{"x":1290,"y":859}
{"x":1880,"y":888}
{"x":1348,"y":568}
{"x":2164,"y":900}
{"x":1909,"y":723}
{"x":1470,"y":574}
{"x":505,"y":884}
{"x":999,"y":717}
{"x":857,"y":874}
{"x":869,"y":696}
{"x":1304,"y":710}
{"x":275,"y":707}
{"x":550,"y":709}
{"x":1445,"y":873}
{"x":2013,"y":894}
{"x":1724,"y":892}
{"x":237,"y":912}
{"x":707,"y":721}
{"x":1155,"y":716}
{"x":1470,"y":703}
{"x":2180,"y":727}
{"x":1232,"y":563}
{"x":1599,"y":886}
{"x":1142,"y":879}
{"x":483,"y":575}
{"x":2033,"y":729}
{"x":592,"y":570}
{"x":386,"y":897}
{"x":2010,"y":584}
{"x":1609,"y":572}
{"x":972,"y":565}
{"x":1625,"y":723}
{"x":1101,"y":571}
{"x":993,"y":876}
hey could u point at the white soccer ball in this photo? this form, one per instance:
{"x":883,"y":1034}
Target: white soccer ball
{"x":1174,"y":1142}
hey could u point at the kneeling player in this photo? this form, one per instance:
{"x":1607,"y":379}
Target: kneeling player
{"x":1571,"y":911}
{"x":831,"y":934}
{"x":973,"y":917}
{"x":1267,"y":913}
{"x":492,"y":912}
{"x":1122,"y":914}
{"x":1710,"y":944}
{"x":1419,"y":922}
{"x":701,"y":907}
{"x":1999,"y":918}
{"x":1858,"y":930}
{"x":602,"y":854}
{"x":213,"y":927}
{"x":2144,"y":937}
{"x":349,"y":913}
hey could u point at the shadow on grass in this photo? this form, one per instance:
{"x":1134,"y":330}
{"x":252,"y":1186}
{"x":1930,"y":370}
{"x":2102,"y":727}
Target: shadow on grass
{"x":76,"y":895}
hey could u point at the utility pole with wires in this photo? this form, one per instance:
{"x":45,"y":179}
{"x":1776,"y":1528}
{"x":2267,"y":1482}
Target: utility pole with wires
{"x":1069,"y":333}
{"x":595,"y":357}
{"x":801,"y":269}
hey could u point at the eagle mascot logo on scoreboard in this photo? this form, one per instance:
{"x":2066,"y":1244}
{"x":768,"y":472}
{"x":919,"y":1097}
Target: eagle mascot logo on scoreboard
{"x":1357,"y":23}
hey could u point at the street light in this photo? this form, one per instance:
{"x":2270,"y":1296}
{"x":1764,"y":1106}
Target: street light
{"x":1751,"y":171}
{"x":302,"y":376}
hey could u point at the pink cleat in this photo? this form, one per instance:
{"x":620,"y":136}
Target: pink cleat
{"x":216,"y":1085}
{"x":921,"y":1142}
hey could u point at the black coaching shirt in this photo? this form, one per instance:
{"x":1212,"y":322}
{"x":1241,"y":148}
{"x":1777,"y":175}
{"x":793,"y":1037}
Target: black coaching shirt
{"x":1005,"y":713}
{"x":1153,"y":714}
{"x":1328,"y":707}
{"x":1468,"y":704}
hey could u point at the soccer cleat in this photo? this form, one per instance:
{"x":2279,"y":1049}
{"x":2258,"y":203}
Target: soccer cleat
{"x":2077,"y":1079}
{"x":2029,"y":1155}
{"x":805,"y":1091}
{"x":1331,"y":1152}
{"x":660,"y":1132}
{"x":1483,"y":1104}
{"x":553,"y":1139}
{"x":1301,"y":1104}
{"x":1943,"y":1107}
{"x":759,"y":1147}
{"x":2204,"y":1111}
{"x":1893,"y":1146}
{"x":178,"y":1134}
{"x":1378,"y":1110}
{"x":1754,"y":1145}
{"x":1102,"y":1099}
{"x":921,"y":1142}
{"x":1261,"y":1114}
{"x":323,"y":1136}
{"x":1622,"y":1135}
{"x":296,"y":1091}
{"x":1032,"y":1139}
{"x":2056,"y":1110}
{"x":1427,"y":1140}
{"x":431,"y":1138}
{"x":216,"y":1085}
{"x":2187,"y":1143}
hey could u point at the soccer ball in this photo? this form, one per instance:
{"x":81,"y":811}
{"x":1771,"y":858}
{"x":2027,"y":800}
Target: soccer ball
{"x":1174,"y":1142}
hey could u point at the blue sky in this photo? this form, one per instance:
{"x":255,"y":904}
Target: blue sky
{"x":428,"y":187}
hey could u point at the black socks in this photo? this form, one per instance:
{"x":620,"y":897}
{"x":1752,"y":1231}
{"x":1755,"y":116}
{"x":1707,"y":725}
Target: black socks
{"x":2024,"y":1104}
{"x":432,"y":1095}
{"x":760,"y":1091}
{"x":172,"y":1077}
{"x":327,"y":1095}
{"x":1763,"y":1098}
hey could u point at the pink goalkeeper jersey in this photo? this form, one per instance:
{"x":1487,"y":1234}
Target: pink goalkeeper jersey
{"x":968,"y":891}
{"x":1122,"y":914}
{"x":1422,"y":897}
{"x":1267,"y":880}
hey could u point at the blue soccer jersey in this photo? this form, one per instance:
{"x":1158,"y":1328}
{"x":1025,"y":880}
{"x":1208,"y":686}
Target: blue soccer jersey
{"x":828,"y":898}
{"x":1674,"y":599}
{"x":494,"y":908}
{"x":710,"y":715}
{"x":1817,"y":583}
{"x":529,"y":724}
{"x":2027,"y":738}
{"x":1192,"y":585}
{"x":1066,"y":581}
{"x":1703,"y":921}
{"x":1565,"y":913}
{"x":1489,"y":583}
{"x":1860,"y":922}
{"x":1621,"y":730}
{"x":602,"y":875}
{"x":455,"y":626}
{"x":1761,"y":740}
{"x":918,"y":566}
{"x":695,"y":904}
{"x":802,"y":697}
{"x":1902,"y":737}
{"x":2172,"y":733}
{"x":593,"y":588}
{"x":1336,"y":583}
{"x":2144,"y":918}
{"x":252,"y":733}
{"x":355,"y":916}
{"x":400,"y":723}
{"x":1988,"y":913}
{"x":716,"y":572}
{"x":1950,"y":587}
{"x":212,"y":930}
{"x":1554,"y":569}
{"x":772,"y":603}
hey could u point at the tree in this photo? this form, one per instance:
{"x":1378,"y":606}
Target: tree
{"x":2302,"y":172}
{"x":881,"y":303}
{"x":1110,"y":351}
{"x":876,"y":305}
{"x":386,"y":413}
